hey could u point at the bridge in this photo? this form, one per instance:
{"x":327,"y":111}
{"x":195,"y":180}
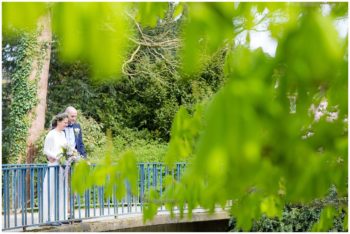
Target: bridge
{"x":23,"y":203}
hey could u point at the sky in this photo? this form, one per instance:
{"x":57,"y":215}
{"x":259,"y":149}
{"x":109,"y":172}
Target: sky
{"x":269,"y":45}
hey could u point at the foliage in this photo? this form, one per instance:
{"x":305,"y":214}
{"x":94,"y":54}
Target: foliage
{"x":106,"y":26}
{"x":93,"y":136}
{"x":302,"y":218}
{"x":22,"y":94}
{"x":184,"y":132}
{"x":145,"y":149}
{"x":147,"y":101}
{"x":140,"y":143}
{"x":113,"y":176}
{"x":253,"y":149}
{"x":202,"y":36}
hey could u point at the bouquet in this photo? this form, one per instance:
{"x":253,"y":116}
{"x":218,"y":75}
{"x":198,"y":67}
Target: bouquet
{"x":69,"y":155}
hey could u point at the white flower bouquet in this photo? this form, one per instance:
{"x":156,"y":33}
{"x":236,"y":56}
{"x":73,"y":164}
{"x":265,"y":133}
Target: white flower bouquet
{"x":69,"y":155}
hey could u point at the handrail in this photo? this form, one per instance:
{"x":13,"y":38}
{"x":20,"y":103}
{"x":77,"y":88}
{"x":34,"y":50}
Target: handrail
{"x":24,"y":200}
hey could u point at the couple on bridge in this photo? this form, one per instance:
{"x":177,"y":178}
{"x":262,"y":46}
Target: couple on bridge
{"x":63,"y":143}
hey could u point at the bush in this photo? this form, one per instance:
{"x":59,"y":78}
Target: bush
{"x":300,"y":218}
{"x":93,"y":136}
{"x":145,"y":150}
{"x":148,"y":101}
{"x":141,"y":143}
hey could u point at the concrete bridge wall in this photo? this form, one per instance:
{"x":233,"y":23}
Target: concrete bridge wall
{"x":201,"y":221}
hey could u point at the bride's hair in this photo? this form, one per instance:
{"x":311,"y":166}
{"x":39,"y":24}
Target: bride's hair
{"x":58,"y":118}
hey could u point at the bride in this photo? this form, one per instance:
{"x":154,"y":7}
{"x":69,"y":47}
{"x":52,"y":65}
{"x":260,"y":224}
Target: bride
{"x":54,"y":189}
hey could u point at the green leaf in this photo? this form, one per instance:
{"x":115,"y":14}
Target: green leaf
{"x":325,"y":222}
{"x":202,"y":36}
{"x":150,"y":207}
{"x":80,"y":177}
{"x":271,"y":206}
{"x":345,"y":222}
{"x":149,"y":13}
{"x":87,"y":27}
{"x":178,"y":10}
{"x":22,"y":15}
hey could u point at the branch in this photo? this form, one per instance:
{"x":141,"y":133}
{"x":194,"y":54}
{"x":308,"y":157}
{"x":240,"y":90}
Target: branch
{"x":130,"y":60}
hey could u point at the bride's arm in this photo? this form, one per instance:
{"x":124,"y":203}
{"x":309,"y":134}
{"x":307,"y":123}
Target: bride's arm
{"x":49,"y":142}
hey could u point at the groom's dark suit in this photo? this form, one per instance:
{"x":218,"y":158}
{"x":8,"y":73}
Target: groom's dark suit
{"x":79,"y":145}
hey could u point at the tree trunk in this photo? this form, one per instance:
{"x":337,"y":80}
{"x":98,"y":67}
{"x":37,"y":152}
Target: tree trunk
{"x":40,"y":70}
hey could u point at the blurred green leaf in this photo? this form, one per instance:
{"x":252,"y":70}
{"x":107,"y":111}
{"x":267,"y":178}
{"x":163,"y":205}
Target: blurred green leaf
{"x":95,"y":32}
{"x":150,"y":208}
{"x":80,"y":181}
{"x":204,"y":36}
{"x":149,"y":13}
{"x":22,"y":15}
{"x":346,"y":220}
{"x":178,"y":10}
{"x":326,"y":220}
{"x":271,"y":207}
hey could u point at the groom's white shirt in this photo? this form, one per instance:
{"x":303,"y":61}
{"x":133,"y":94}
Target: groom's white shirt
{"x":70,"y":136}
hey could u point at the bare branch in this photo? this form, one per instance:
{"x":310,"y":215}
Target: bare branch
{"x":130,"y":60}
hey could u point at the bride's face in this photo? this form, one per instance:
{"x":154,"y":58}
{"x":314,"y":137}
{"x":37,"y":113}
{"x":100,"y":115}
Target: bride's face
{"x":62,"y":124}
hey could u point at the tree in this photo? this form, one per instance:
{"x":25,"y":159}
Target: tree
{"x":40,"y":72}
{"x":28,"y":88}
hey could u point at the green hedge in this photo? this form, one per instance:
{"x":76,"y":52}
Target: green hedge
{"x":301,"y":217}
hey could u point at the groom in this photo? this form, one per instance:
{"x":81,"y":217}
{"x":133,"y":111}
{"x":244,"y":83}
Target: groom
{"x":74,"y":138}
{"x":73,"y":131}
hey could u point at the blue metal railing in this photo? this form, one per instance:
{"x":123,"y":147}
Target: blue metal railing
{"x":23,"y":195}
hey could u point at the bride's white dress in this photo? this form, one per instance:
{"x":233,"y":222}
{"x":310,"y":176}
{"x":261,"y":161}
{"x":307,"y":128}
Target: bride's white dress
{"x":54,"y":143}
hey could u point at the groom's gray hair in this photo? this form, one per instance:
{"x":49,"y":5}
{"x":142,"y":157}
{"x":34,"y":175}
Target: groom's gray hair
{"x":69,"y":109}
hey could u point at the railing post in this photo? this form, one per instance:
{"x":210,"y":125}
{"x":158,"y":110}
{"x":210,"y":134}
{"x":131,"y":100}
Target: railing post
{"x":155,"y":176}
{"x":55,"y":193}
{"x":71,"y":195}
{"x":5,"y":197}
{"x":87,"y":203}
{"x":79,"y":206}
{"x":142,"y":188}
{"x":48,"y":194}
{"x":94,"y":199}
{"x":161,"y":183}
{"x":39,"y":193}
{"x":148,"y":177}
{"x":24,"y":209}
{"x":64,"y":193}
{"x":128,"y":196}
{"x":15,"y":194}
{"x":115,"y":202}
{"x":31,"y":182}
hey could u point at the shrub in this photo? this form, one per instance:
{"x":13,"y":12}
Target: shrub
{"x":300,"y":218}
{"x":93,"y":136}
{"x":145,"y":148}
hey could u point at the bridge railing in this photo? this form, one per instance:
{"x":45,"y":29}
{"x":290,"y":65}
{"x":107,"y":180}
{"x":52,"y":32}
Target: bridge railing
{"x":25,"y":204}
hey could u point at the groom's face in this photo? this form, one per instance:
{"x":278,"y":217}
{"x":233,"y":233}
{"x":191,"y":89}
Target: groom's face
{"x":72,"y":117}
